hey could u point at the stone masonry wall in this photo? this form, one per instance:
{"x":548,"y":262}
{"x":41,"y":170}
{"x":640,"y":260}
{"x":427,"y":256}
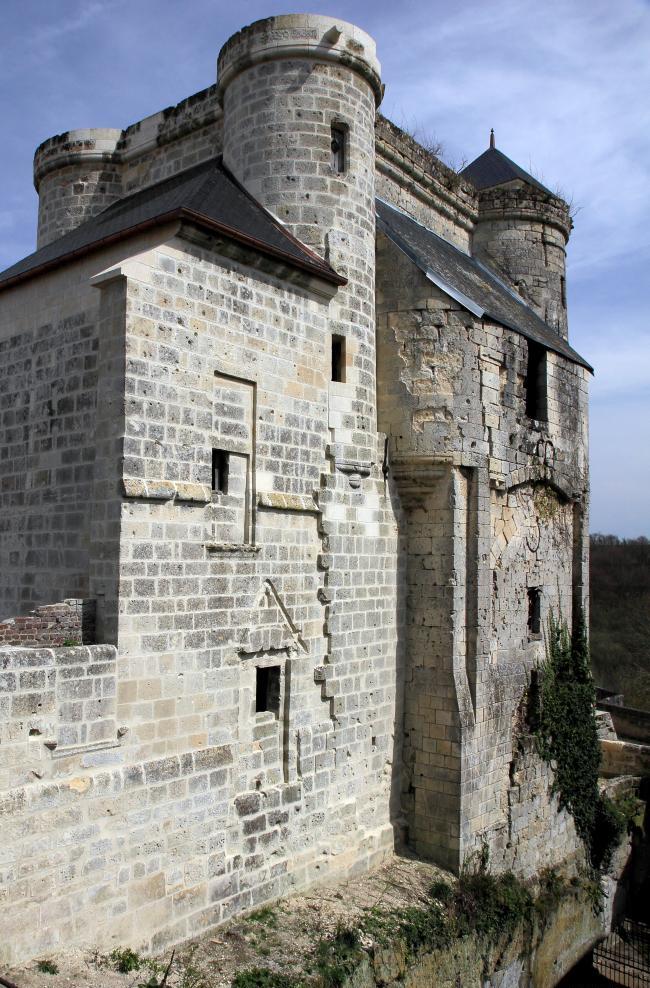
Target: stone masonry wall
{"x":421,"y":185}
{"x":81,"y":172}
{"x":49,"y":346}
{"x":522,"y":235}
{"x":58,"y":712}
{"x":217,"y":793}
{"x":494,"y":505}
{"x":47,"y":400}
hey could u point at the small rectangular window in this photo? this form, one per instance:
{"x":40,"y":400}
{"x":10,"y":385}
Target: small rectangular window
{"x":534,"y":611}
{"x":563,"y":290}
{"x":337,"y":146}
{"x":535,"y":382}
{"x":338,"y":358}
{"x":220,"y":470}
{"x":267,"y":689}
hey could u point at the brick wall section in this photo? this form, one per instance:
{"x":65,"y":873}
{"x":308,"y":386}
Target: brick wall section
{"x":69,"y":621}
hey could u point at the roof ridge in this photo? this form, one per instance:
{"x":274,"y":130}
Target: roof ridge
{"x":206,"y":194}
{"x":467,"y":280}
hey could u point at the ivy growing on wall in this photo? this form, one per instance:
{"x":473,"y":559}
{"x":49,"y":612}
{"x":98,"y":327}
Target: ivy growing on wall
{"x":567,"y":737}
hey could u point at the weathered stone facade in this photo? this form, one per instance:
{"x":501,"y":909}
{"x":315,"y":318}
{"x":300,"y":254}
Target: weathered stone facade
{"x":323,"y":513}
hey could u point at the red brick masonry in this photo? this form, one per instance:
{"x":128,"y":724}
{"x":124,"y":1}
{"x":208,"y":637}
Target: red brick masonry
{"x":68,"y":622}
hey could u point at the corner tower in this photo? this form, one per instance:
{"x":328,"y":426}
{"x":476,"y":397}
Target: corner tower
{"x":522,"y":233}
{"x":76,"y":175}
{"x":299,"y":95}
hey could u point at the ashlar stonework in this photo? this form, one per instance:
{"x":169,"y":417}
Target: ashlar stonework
{"x":292,"y":405}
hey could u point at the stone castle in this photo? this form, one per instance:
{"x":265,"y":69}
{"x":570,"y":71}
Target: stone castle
{"x":293,"y":469}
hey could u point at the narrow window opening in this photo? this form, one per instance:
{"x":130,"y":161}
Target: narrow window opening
{"x":220,"y":470}
{"x":267,"y":689}
{"x":535,"y":382}
{"x":337,"y":146}
{"x":534,"y":611}
{"x":563,"y":290}
{"x":338,"y":358}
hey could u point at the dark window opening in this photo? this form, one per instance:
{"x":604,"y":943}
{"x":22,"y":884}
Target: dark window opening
{"x":267,"y":689}
{"x":338,"y":358}
{"x":563,"y":290}
{"x":220,"y":470}
{"x":535,"y":383}
{"x":534,"y":611}
{"x":337,"y":147}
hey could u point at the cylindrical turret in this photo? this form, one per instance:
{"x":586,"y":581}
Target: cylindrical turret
{"x":299,"y":95}
{"x":290,"y":87}
{"x":76,"y":175}
{"x":522,"y":232}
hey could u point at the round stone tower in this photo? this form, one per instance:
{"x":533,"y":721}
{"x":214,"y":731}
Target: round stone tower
{"x":76,"y":176}
{"x":522,"y":233}
{"x":299,"y":95}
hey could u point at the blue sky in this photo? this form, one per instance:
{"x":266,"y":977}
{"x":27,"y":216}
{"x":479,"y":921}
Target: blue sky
{"x":564,"y":83}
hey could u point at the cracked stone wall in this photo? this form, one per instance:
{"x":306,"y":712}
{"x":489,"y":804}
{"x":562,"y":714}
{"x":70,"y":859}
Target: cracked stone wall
{"x":494,"y":505}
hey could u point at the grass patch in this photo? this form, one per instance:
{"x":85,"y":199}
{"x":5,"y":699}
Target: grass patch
{"x":339,"y":957}
{"x":489,"y":905}
{"x":480,"y":903}
{"x":47,"y":967}
{"x":267,"y":916}
{"x":263,"y":977}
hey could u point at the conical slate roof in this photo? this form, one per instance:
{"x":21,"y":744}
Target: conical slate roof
{"x":493,"y":167}
{"x":207,"y":196}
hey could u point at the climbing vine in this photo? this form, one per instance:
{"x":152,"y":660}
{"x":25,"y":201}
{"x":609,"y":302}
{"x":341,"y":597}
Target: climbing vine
{"x":567,"y":736}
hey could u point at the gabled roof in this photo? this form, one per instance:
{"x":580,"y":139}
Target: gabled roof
{"x":206,"y":195}
{"x":495,"y":168}
{"x":465,"y":279}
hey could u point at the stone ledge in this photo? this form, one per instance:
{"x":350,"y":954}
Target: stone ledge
{"x":231,"y":547}
{"x":166,"y":490}
{"x":287,"y":502}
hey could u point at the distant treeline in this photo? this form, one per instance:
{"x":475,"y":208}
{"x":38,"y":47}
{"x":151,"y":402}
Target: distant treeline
{"x":620,"y":616}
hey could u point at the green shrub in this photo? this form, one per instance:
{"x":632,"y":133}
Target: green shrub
{"x":125,"y":960}
{"x":47,"y":967}
{"x":610,"y":824}
{"x":552,"y":889}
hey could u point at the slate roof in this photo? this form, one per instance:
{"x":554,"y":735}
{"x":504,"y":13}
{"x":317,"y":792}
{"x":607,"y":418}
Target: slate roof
{"x":468,"y":281}
{"x":493,"y":167}
{"x":207,"y":195}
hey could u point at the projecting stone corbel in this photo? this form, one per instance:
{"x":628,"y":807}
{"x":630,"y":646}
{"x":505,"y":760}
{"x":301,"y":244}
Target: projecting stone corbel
{"x":355,"y":469}
{"x":418,"y":474}
{"x":356,"y":472}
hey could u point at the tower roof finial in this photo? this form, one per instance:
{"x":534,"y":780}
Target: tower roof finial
{"x":492,"y":144}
